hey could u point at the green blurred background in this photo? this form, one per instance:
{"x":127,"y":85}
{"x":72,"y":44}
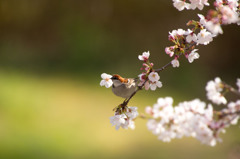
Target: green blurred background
{"x":52,"y":54}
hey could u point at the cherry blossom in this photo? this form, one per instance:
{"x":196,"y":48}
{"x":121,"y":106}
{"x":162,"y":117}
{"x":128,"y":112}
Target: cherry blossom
{"x":153,"y":76}
{"x":169,"y":51}
{"x":204,"y":37}
{"x":191,"y":36}
{"x":144,"y":56}
{"x":194,"y":118}
{"x":180,"y":5}
{"x":106,"y":80}
{"x":175,"y":63}
{"x":118,"y":121}
{"x":193,"y":55}
{"x":154,"y":85}
{"x":198,"y":4}
{"x":186,"y":119}
{"x":214,"y":89}
{"x":124,"y":119}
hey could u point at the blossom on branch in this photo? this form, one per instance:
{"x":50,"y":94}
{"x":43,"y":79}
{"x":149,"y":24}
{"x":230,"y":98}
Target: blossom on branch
{"x":198,"y":4}
{"x":193,"y":55}
{"x":191,"y":118}
{"x":214,"y":89}
{"x":191,"y":36}
{"x":154,"y":81}
{"x":233,"y":109}
{"x":176,"y":33}
{"x":154,"y":85}
{"x":182,"y":4}
{"x":153,"y":77}
{"x":169,"y":51}
{"x":124,"y":118}
{"x":204,"y":37}
{"x":213,"y":25}
{"x":227,"y":12}
{"x":106,"y":80}
{"x":175,"y":63}
{"x":144,"y":56}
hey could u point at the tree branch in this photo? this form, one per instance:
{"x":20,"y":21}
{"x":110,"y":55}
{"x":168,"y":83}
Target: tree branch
{"x":126,"y":101}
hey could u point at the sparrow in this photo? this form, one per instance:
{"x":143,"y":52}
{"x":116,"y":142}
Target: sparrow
{"x":123,"y":87}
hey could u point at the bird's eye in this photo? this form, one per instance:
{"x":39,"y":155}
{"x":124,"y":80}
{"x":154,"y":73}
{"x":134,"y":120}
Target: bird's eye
{"x":114,"y":77}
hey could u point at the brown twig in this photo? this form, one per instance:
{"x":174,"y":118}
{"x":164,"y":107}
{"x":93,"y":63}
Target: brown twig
{"x":230,"y":88}
{"x":223,"y":115}
{"x":164,"y":67}
{"x":126,"y":101}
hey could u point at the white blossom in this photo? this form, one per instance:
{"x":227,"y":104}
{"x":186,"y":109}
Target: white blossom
{"x":154,"y":85}
{"x":202,"y":20}
{"x":106,"y":80}
{"x":132,"y":112}
{"x":153,"y":76}
{"x":162,"y":103}
{"x":232,"y":112}
{"x":229,"y":16}
{"x":191,"y":36}
{"x":169,"y":51}
{"x":180,"y":5}
{"x":205,"y":134}
{"x":198,"y":4}
{"x":142,"y":78}
{"x":204,"y":37}
{"x":178,"y":32}
{"x":234,"y":106}
{"x":118,"y":121}
{"x":193,"y":55}
{"x":175,"y":63}
{"x":144,"y":56}
{"x":154,"y":81}
{"x":214,"y":89}
{"x":125,"y":120}
{"x":148,"y":110}
{"x":186,"y":119}
{"x":213,"y":27}
{"x":233,"y":4}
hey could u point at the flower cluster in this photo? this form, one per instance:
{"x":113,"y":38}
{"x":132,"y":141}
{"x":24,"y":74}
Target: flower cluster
{"x":149,"y":78}
{"x":230,"y":115}
{"x":186,"y":119}
{"x":214,"y":91}
{"x":185,"y":42}
{"x":193,"y":118}
{"x":124,"y":117}
{"x":226,"y":13}
{"x":193,"y":4}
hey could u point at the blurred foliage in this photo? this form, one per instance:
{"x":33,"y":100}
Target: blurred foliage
{"x":52,"y":54}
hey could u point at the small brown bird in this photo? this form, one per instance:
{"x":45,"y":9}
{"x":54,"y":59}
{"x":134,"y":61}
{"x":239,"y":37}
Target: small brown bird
{"x":123,"y":87}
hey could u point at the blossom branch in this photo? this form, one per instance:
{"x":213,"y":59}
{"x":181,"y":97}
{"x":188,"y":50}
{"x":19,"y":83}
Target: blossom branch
{"x":230,"y":88}
{"x":189,"y":118}
{"x":126,"y":101}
